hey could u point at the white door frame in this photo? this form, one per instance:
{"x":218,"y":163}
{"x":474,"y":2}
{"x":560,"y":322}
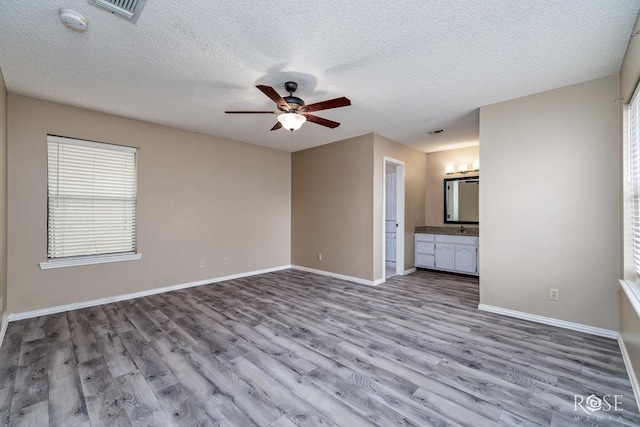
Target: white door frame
{"x":400,"y":231}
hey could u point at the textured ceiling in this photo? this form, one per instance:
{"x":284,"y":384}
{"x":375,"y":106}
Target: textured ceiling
{"x":408,"y":67}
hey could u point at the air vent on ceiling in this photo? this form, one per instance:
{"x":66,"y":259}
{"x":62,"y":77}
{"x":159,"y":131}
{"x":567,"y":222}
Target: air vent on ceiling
{"x":126,"y":9}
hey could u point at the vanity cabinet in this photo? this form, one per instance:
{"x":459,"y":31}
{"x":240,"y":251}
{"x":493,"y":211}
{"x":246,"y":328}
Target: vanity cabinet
{"x":458,"y":254}
{"x":425,"y":250}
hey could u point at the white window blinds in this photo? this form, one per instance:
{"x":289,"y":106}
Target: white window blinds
{"x":633,"y":141}
{"x":91,"y":198}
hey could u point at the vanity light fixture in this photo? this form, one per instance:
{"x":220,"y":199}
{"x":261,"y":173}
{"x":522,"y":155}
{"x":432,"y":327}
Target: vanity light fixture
{"x":462,"y":168}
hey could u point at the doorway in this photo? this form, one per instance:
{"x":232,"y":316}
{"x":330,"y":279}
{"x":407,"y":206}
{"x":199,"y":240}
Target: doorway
{"x":393,"y":218}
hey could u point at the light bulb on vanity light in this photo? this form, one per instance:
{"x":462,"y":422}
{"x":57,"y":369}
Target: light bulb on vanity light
{"x":463,"y":168}
{"x":449,"y":170}
{"x":476,"y":165}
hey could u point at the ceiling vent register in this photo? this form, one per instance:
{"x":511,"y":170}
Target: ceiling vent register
{"x":126,"y":9}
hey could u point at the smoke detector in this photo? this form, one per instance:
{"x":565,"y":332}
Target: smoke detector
{"x":73,"y":20}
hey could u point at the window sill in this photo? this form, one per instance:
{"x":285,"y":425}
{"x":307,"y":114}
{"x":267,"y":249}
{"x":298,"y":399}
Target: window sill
{"x":89,"y":260}
{"x":632,"y":290}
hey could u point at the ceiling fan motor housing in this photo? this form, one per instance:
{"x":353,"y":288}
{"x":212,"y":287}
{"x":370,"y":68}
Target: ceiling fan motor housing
{"x":294,"y":102}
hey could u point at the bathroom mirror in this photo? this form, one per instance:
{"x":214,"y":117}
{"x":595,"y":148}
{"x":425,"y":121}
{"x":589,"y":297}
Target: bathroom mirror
{"x":461,"y":197}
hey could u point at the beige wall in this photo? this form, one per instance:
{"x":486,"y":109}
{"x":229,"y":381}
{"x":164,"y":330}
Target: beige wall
{"x":629,"y":321}
{"x":537,"y":235}
{"x":199,"y":198}
{"x":331,"y":201}
{"x":3,"y":196}
{"x":337,"y":204}
{"x":436,"y":164}
{"x":415,"y":178}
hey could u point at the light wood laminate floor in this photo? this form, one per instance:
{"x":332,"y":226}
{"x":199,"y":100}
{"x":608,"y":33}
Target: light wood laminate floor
{"x":294,"y":348}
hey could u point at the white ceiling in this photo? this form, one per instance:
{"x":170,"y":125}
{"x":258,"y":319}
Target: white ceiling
{"x":408,"y":67}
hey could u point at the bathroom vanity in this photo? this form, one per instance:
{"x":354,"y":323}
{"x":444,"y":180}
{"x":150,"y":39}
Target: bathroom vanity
{"x":447,"y":248}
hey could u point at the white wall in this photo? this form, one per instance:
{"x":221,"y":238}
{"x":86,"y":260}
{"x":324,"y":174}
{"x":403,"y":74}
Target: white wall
{"x":550,"y":203}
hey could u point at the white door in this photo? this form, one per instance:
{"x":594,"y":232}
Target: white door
{"x":391,"y":224}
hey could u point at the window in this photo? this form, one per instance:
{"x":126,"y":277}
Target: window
{"x":91,"y":202}
{"x":633,"y":141}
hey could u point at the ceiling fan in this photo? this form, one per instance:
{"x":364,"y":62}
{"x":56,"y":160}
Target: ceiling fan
{"x":292,"y":111}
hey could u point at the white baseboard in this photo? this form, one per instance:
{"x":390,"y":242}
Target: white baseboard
{"x":409,"y":271}
{"x":632,"y":375}
{"x":607,"y":333}
{"x":4,"y":322}
{"x":84,"y":304}
{"x":357,"y":280}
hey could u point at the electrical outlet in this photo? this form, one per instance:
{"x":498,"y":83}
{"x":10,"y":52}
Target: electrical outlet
{"x":225,"y":260}
{"x":201,"y":264}
{"x":554,"y":294}
{"x":319,"y":257}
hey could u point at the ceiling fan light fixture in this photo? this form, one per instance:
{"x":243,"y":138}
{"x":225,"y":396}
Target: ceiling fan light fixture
{"x":292,"y":121}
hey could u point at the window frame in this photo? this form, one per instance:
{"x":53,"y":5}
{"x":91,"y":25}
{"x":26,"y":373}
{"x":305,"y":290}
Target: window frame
{"x":91,"y":259}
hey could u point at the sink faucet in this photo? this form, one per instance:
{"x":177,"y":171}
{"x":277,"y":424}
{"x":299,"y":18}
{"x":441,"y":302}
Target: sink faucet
{"x":462,"y":230}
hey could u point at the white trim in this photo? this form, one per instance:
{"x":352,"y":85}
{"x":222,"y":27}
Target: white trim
{"x":87,"y":260}
{"x":400,"y":212}
{"x":633,"y":295}
{"x":4,"y":322}
{"x":409,"y":271}
{"x":635,"y":386}
{"x":607,"y":333}
{"x":339,"y":276}
{"x":74,"y":306}
{"x":92,"y":144}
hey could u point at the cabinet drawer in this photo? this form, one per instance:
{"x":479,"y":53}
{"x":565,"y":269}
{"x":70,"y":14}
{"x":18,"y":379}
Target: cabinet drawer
{"x":421,"y":237}
{"x":464,"y":240}
{"x":423,"y":260}
{"x":424,"y":248}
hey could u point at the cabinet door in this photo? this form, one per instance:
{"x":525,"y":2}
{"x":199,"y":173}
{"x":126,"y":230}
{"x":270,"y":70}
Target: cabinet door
{"x":424,"y":248}
{"x":445,"y":255}
{"x":466,"y":258}
{"x":423,"y":260}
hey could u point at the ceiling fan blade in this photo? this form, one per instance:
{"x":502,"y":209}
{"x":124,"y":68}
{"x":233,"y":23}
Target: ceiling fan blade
{"x":251,"y":112}
{"x":320,"y":121}
{"x":276,"y":126}
{"x":274,"y":96}
{"x":325,"y":105}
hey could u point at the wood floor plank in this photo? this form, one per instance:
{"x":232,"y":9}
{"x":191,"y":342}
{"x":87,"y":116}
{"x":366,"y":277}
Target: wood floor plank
{"x":31,"y":378}
{"x":181,"y":408}
{"x":66,"y":400}
{"x":104,"y":400}
{"x":197,"y":385}
{"x":295,"y":348}
{"x":139,"y":402}
{"x":35,"y":415}
{"x":116,"y":355}
{"x":300,"y":412}
{"x":218,"y":371}
{"x":149,"y":363}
